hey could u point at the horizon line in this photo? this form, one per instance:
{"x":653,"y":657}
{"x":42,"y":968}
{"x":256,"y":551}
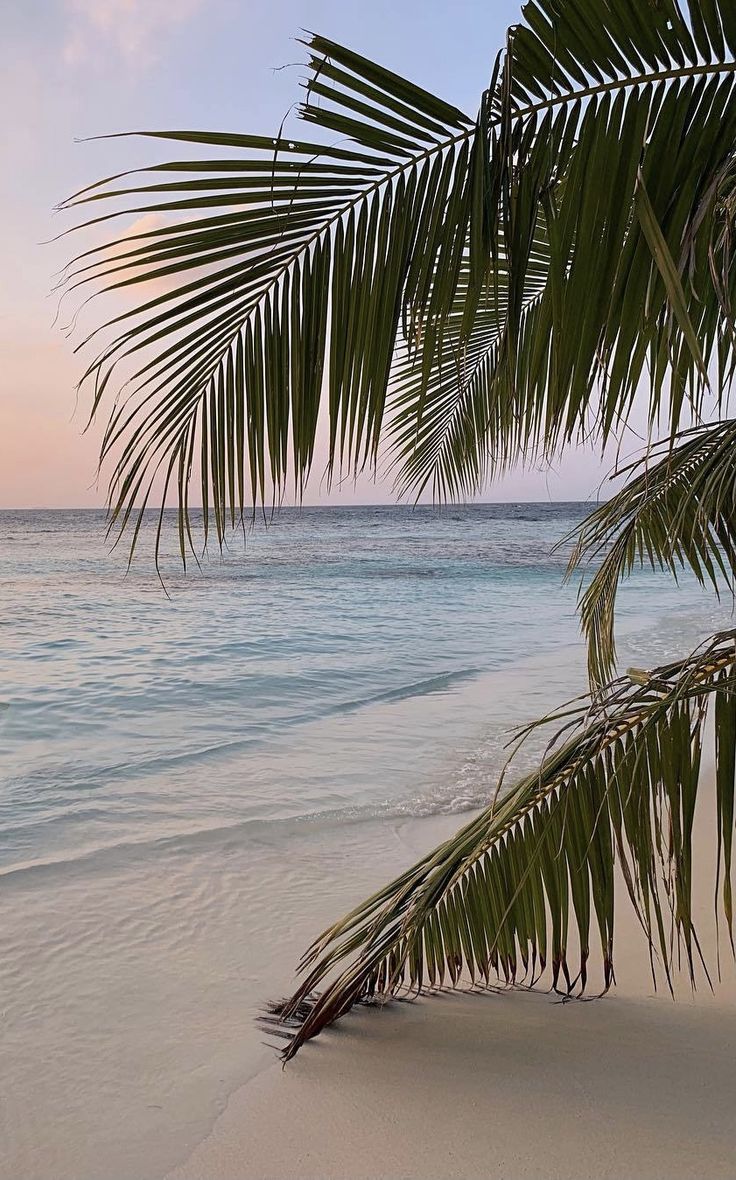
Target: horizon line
{"x":297,"y":507}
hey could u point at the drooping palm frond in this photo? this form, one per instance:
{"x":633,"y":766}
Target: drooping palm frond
{"x":600,"y":280}
{"x":633,"y":110}
{"x":286,"y":265}
{"x":515,"y":276}
{"x":442,"y":417}
{"x":498,"y":900}
{"x":678,"y":512}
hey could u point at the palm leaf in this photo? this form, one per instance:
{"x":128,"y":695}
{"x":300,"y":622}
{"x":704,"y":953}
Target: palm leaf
{"x":441,"y":417}
{"x":498,"y":900}
{"x":678,"y":512}
{"x":484,"y":288}
{"x":622,"y":125}
{"x":285,"y":270}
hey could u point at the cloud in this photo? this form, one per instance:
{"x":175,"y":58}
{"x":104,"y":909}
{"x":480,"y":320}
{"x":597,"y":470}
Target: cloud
{"x":123,"y":242}
{"x":79,"y":308}
{"x":130,"y":29}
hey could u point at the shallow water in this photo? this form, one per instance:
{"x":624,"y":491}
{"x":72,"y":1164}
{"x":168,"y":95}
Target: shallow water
{"x":189,"y":784}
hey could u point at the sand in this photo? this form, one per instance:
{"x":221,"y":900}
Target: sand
{"x":514,"y":1085}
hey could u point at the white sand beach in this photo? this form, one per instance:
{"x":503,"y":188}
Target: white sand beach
{"x":509,"y":1086}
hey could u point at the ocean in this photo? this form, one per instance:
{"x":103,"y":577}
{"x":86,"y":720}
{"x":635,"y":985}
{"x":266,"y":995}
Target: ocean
{"x":194,"y":780}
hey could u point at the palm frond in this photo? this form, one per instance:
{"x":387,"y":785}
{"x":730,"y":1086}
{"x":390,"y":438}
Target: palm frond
{"x":678,"y":512}
{"x":511,"y":279}
{"x":441,"y":415}
{"x":499,"y":899}
{"x":620,"y":122}
{"x":285,"y":269}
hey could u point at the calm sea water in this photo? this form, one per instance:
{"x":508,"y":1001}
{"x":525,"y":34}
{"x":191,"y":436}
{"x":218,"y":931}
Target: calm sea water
{"x":189,"y":783}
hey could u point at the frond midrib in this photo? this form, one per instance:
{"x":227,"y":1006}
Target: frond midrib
{"x":495,"y":120}
{"x":703,"y":69}
{"x":697,"y":70}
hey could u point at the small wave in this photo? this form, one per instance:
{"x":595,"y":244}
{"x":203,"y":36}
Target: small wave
{"x":401,"y":571}
{"x":53,"y":644}
{"x":89,"y":777}
{"x":418,"y":688}
{"x":115,"y":855}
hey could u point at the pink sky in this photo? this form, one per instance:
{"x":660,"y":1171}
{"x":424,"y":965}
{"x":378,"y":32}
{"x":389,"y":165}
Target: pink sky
{"x":82,"y":67}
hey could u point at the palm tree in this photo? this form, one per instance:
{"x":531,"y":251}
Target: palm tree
{"x":455,"y":294}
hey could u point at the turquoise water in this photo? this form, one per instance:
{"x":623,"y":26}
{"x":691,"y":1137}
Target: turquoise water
{"x":133,"y":716}
{"x":189,"y":783}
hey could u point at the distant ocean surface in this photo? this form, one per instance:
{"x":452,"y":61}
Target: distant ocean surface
{"x":189,"y":783}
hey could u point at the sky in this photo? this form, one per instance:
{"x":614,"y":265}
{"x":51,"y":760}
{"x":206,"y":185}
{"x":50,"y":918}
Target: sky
{"x":72,"y":69}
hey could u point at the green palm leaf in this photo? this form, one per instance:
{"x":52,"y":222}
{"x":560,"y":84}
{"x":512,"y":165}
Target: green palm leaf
{"x":441,"y":417}
{"x":678,"y":512}
{"x":586,"y":211}
{"x":499,"y":899}
{"x":285,"y":271}
{"x":622,"y":127}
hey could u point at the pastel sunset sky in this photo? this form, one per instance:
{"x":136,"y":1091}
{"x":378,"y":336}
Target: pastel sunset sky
{"x":71,"y":69}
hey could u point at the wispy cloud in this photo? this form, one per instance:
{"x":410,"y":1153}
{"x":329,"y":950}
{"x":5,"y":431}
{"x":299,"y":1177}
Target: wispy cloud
{"x":123,"y":242}
{"x":132,"y":30}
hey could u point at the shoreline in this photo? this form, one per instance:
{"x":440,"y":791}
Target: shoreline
{"x":151,"y":985}
{"x":508,"y":1085}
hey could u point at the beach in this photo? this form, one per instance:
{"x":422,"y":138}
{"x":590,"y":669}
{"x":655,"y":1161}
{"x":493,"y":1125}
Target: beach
{"x":510,"y":1085}
{"x":368,"y":591}
{"x":193,"y":787}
